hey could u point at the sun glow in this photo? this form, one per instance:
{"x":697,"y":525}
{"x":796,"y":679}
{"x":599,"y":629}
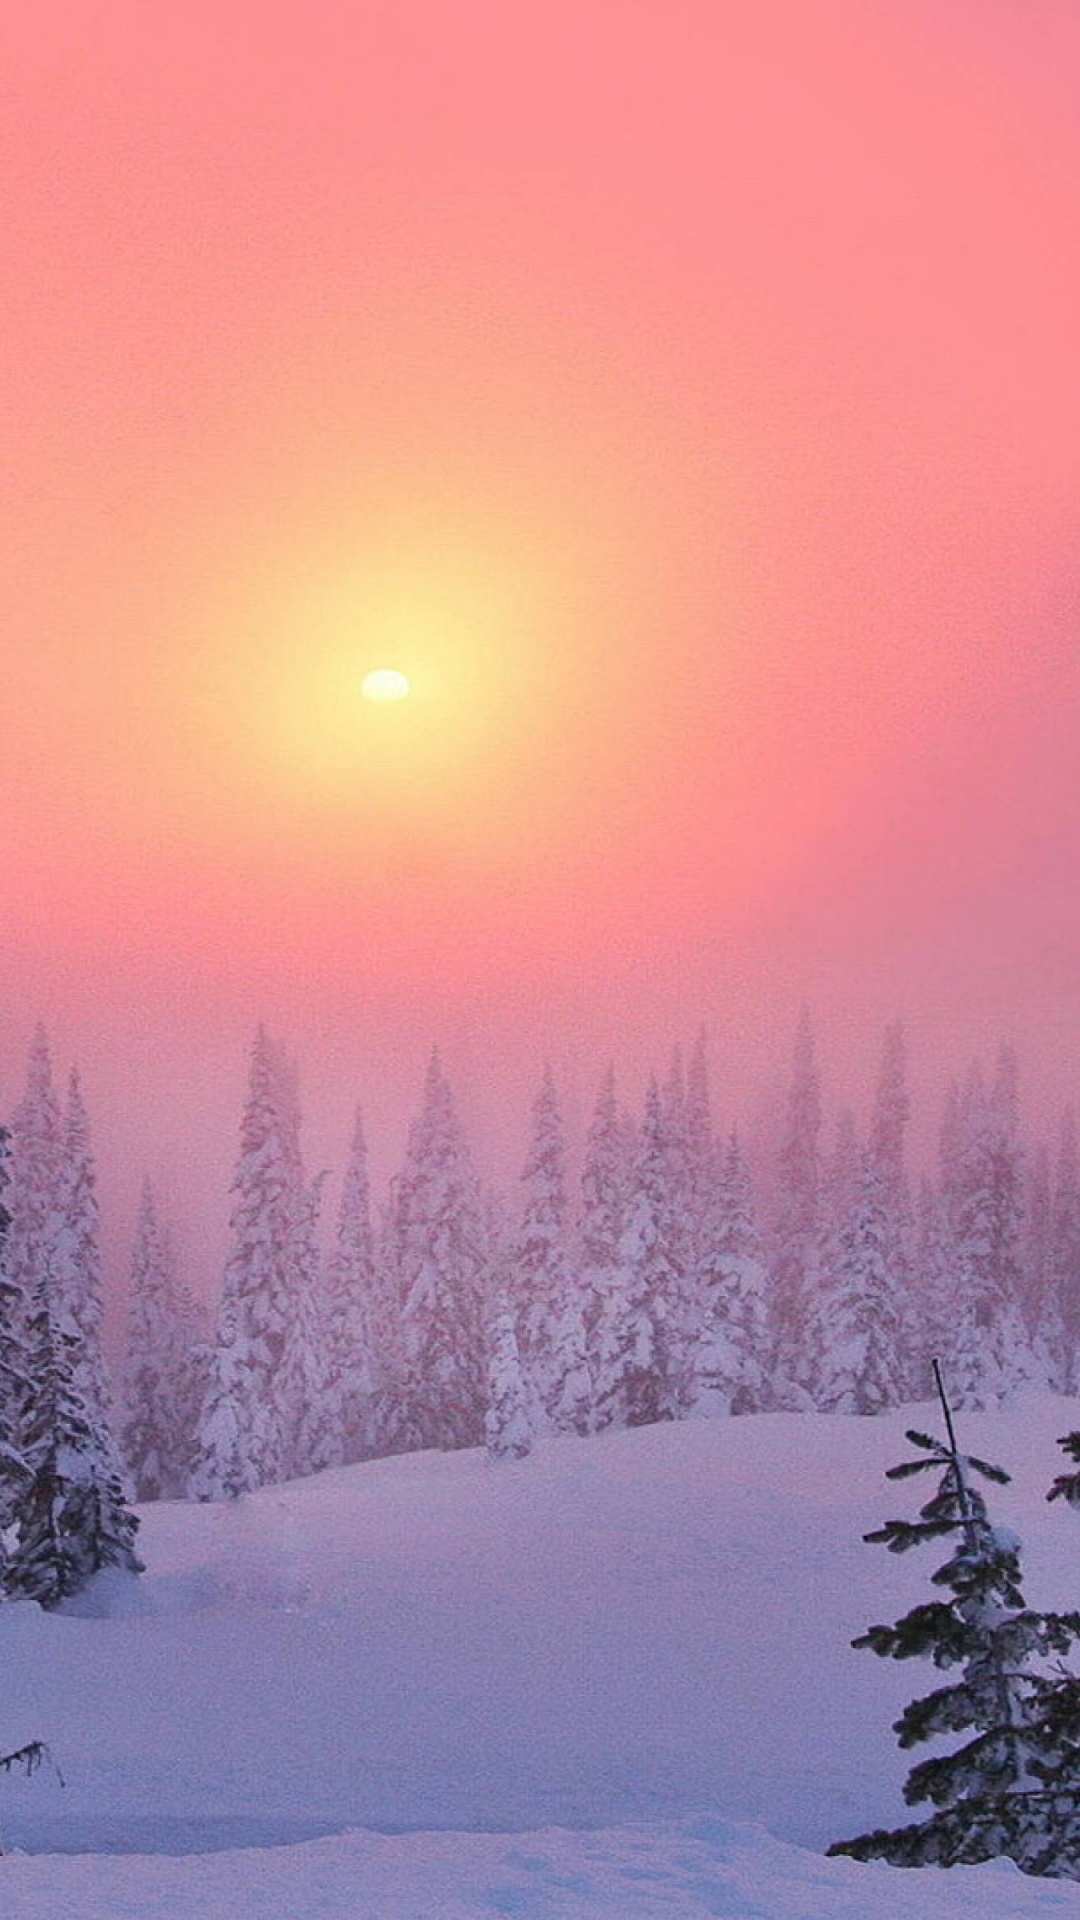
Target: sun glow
{"x":437,"y":635}
{"x":385,"y":683}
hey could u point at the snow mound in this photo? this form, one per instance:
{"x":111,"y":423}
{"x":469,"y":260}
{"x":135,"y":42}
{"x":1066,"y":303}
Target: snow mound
{"x":693,"y":1871}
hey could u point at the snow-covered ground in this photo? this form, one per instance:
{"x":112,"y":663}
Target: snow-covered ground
{"x":613,"y":1680}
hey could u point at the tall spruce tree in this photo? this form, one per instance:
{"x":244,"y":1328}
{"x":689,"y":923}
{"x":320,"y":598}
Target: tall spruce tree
{"x":797,"y":1235}
{"x":250,"y":1421}
{"x":72,"y":1517}
{"x":703,"y":1152}
{"x":1046,"y":1327}
{"x":15,"y":1382}
{"x":80,"y":1255}
{"x":437,"y":1251}
{"x":989,"y":1352}
{"x":734,"y":1335}
{"x":680,"y":1192}
{"x":305,"y":1384}
{"x":510,"y":1417}
{"x":508,"y":1427}
{"x":155,"y":1446}
{"x":854,"y":1325}
{"x":34,"y":1167}
{"x":933,"y":1289}
{"x":351,"y":1312}
{"x":604,"y":1181}
{"x":839,"y":1183}
{"x":642,"y":1364}
{"x":1011,"y":1787}
{"x":550,"y":1321}
{"x":888,"y":1150}
{"x":222,"y":1467}
{"x":1065,"y":1250}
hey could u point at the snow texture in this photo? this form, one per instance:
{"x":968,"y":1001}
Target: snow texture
{"x":579,"y":1685}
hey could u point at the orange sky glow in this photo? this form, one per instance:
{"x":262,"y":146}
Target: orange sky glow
{"x":684,"y":396}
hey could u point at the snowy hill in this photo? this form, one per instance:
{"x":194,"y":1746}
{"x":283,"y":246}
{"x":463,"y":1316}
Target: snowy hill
{"x":580,"y":1684}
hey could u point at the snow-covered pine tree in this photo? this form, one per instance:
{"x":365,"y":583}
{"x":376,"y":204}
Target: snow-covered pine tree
{"x":1046,"y":1327}
{"x":989,"y":1352}
{"x":300,"y":1383}
{"x":889,"y":1120}
{"x":600,"y":1226}
{"x":156,"y":1439}
{"x":550,"y":1319}
{"x":389,"y":1432}
{"x":250,"y":1423}
{"x":222,"y":1467}
{"x":15,"y":1383}
{"x":839,"y":1183}
{"x":888,"y":1143}
{"x":1065,"y":1249}
{"x":304,"y":1385}
{"x":642,"y":1365}
{"x":702,"y":1150}
{"x":193,"y":1385}
{"x":1011,"y":1789}
{"x":508,"y":1430}
{"x":350,"y":1312}
{"x":933,"y":1288}
{"x":80,"y":1259}
{"x":510,"y":1418}
{"x":72,"y":1517}
{"x":836,"y":1202}
{"x":797,"y":1235}
{"x":34,"y":1168}
{"x":437,"y":1253}
{"x":853,"y":1326}
{"x":681,"y":1188}
{"x":730,"y":1368}
{"x":1022,"y":1362}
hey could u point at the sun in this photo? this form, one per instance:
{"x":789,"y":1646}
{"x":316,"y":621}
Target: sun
{"x":385,"y":683}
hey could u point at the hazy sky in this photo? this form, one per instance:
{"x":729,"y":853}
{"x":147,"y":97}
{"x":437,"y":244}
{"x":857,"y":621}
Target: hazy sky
{"x":686,"y":395}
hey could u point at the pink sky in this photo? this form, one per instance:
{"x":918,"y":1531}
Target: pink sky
{"x":687,"y":396}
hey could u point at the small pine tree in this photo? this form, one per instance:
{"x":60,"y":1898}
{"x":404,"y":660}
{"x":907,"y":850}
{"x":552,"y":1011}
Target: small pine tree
{"x":1011,"y":1788}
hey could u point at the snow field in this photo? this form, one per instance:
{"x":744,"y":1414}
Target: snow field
{"x":559,"y":1686}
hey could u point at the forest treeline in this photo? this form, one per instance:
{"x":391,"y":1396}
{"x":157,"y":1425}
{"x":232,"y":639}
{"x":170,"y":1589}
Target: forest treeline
{"x":659,"y":1284}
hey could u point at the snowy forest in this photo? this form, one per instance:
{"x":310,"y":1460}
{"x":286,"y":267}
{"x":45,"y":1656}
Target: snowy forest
{"x":448,"y":1317}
